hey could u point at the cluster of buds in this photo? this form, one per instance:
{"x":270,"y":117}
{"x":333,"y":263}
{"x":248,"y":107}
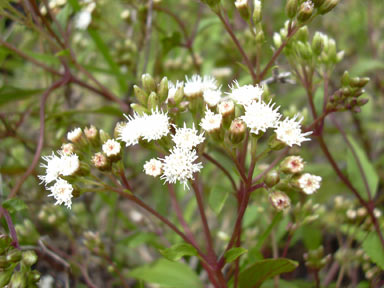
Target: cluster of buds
{"x":93,"y":242}
{"x":348,"y":96}
{"x":245,"y":10}
{"x":303,"y":10}
{"x":15,"y":265}
{"x":49,"y":215}
{"x":306,"y":213}
{"x":315,"y":259}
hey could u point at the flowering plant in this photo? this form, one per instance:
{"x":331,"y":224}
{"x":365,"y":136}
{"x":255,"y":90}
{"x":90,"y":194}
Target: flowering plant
{"x":206,"y":180}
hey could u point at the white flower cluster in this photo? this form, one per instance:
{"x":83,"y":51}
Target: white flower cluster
{"x":309,"y":183}
{"x":84,"y":17}
{"x":147,"y":127}
{"x":180,"y":164}
{"x":56,"y":166}
{"x":259,"y":116}
{"x":206,"y":87}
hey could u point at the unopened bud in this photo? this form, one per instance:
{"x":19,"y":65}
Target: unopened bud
{"x":291,"y":8}
{"x":34,"y":276}
{"x":327,"y":6}
{"x":149,"y":84}
{"x":345,"y":79}
{"x":257,"y":16}
{"x":303,"y":34}
{"x":272,"y":178}
{"x":362,"y":102}
{"x":75,"y":135}
{"x":139,"y":109}
{"x":14,"y":255}
{"x":237,"y":131}
{"x":101,"y":162}
{"x":67,"y":148}
{"x":162,"y":90}
{"x":317,"y":43}
{"x":242,"y":7}
{"x":305,"y":50}
{"x":227,"y":110}
{"x":277,"y":41}
{"x":104,"y":136}
{"x":29,"y":258}
{"x":305,"y":11}
{"x":317,"y":3}
{"x":292,"y":165}
{"x":18,"y":280}
{"x":279,"y":200}
{"x":153,"y":101}
{"x":140,"y":95}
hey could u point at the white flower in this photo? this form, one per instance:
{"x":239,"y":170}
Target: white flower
{"x":240,"y":3}
{"x":62,"y":192}
{"x":289,"y":132}
{"x":180,"y":166}
{"x":74,"y":135}
{"x":260,"y":116}
{"x":226,"y":107}
{"x":67,"y":149}
{"x":309,"y":183}
{"x":155,"y":126}
{"x":153,"y":167}
{"x":83,"y":19}
{"x":53,"y":168}
{"x":211,"y":121}
{"x":148,"y":127}
{"x":130,"y":133}
{"x":244,"y":95}
{"x":172,"y":88}
{"x":69,"y":164}
{"x":187,"y":138}
{"x":212,"y":97}
{"x":195,"y":86}
{"x":351,"y":214}
{"x":308,"y":4}
{"x":377,"y":213}
{"x":111,"y":147}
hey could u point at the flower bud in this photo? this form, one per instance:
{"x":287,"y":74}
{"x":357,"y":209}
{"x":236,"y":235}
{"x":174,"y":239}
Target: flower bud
{"x":14,"y":255}
{"x":359,"y":82}
{"x":327,"y":6}
{"x":149,"y":84}
{"x":227,"y":110}
{"x":4,"y":263}
{"x":104,"y":136}
{"x":140,"y":95}
{"x":237,"y":131}
{"x":242,"y":7}
{"x":303,"y":34}
{"x":34,"y":276}
{"x":279,"y":200}
{"x":5,"y":276}
{"x":272,"y":178}
{"x":257,"y":16}
{"x":153,"y":101}
{"x":75,"y":135}
{"x":345,"y":79}
{"x":304,"y":50}
{"x":112,"y":149}
{"x":292,"y":165}
{"x":317,"y":43}
{"x":67,"y":149}
{"x":305,"y":11}
{"x":362,"y":102}
{"x":29,"y":258}
{"x":291,"y":8}
{"x":101,"y":162}
{"x":162,"y":90}
{"x":18,"y":280}
{"x":277,"y":41}
{"x":5,"y":242}
{"x":139,"y":109}
{"x":92,"y":135}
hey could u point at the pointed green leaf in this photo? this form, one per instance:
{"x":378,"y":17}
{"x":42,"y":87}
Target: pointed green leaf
{"x":217,"y":198}
{"x":234,"y":253}
{"x":176,"y":252}
{"x":372,"y":246}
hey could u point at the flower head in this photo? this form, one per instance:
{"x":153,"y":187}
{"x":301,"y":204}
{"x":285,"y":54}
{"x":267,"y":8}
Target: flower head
{"x":70,"y":164}
{"x":260,"y":116}
{"x":53,"y":168}
{"x":101,"y":161}
{"x":155,"y":125}
{"x":180,"y":166}
{"x":172,"y":88}
{"x":187,"y":138}
{"x":67,"y":149}
{"x":153,"y":167}
{"x":279,"y":200}
{"x":212,"y":97}
{"x":244,"y":95}
{"x":130,"y":133}
{"x":196,"y":85}
{"x":292,"y":164}
{"x":289,"y":132}
{"x":226,"y":107}
{"x":211,"y":121}
{"x":309,"y":183}
{"x":111,"y":148}
{"x":75,"y":135}
{"x":62,"y":192}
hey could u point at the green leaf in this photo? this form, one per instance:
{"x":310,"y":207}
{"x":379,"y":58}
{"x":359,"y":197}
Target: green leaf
{"x":354,"y":173}
{"x":170,"y":42}
{"x":176,"y":252}
{"x":217,"y":198}
{"x":258,"y":272}
{"x":140,"y":238}
{"x":11,"y":94}
{"x":234,"y":253}
{"x":167,"y":274}
{"x":372,"y":246}
{"x":14,"y":205}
